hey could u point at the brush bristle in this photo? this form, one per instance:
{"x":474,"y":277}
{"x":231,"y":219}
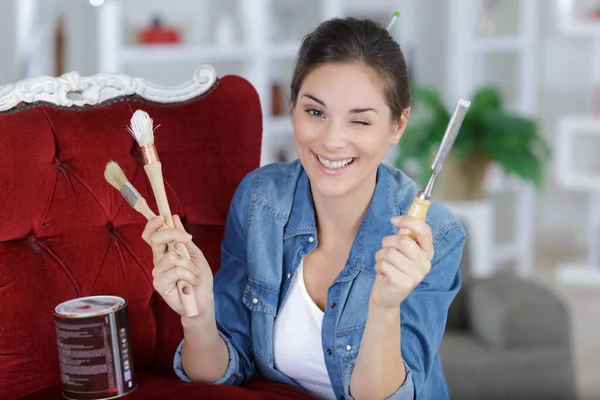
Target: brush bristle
{"x":142,"y":128}
{"x":115,"y":175}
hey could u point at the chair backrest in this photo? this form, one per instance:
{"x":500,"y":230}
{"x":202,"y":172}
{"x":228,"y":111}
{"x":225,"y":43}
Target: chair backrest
{"x":66,"y":233}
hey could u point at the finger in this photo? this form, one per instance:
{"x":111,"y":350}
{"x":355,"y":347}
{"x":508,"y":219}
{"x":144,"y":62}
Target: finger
{"x":421,"y":230}
{"x":394,"y":257}
{"x":151,"y":227}
{"x":394,"y":274}
{"x":406,"y":245}
{"x":166,"y":236}
{"x":399,"y":260}
{"x":194,"y":250}
{"x":169,"y":278}
{"x":177,"y":223}
{"x":170,"y":261}
{"x":158,"y":252}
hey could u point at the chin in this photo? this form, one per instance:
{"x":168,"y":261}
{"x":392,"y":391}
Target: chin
{"x":327,"y":188}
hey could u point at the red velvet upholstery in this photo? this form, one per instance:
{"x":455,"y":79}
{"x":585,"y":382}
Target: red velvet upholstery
{"x":66,"y":233}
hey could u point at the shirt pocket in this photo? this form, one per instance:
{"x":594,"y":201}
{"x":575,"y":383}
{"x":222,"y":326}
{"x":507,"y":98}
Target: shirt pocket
{"x":348,"y":342}
{"x":261,"y":300}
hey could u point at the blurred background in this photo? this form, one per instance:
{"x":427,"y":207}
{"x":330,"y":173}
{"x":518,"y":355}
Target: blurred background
{"x":525,"y":177}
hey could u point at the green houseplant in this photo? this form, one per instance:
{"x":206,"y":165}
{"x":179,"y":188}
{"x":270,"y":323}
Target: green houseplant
{"x":489,"y":134}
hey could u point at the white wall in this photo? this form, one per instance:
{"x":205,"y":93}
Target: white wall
{"x":8,"y":67}
{"x":565,"y":70}
{"x":430,"y":39}
{"x":563,"y":89}
{"x":563,"y":80}
{"x":80,"y":35}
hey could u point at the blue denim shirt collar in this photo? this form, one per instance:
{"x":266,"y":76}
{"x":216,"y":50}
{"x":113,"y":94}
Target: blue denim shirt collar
{"x":382,"y":207}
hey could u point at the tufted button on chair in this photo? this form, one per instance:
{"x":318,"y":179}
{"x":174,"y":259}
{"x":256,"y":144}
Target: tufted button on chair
{"x":66,"y":233}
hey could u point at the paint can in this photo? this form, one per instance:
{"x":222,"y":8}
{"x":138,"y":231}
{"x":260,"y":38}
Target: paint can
{"x":94,"y":348}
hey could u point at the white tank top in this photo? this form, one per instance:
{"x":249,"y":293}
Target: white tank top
{"x":298,"y":351}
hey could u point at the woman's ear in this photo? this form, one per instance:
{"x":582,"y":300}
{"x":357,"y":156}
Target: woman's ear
{"x":400,"y":126}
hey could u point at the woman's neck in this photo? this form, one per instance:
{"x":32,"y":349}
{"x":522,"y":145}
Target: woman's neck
{"x":338,"y":219}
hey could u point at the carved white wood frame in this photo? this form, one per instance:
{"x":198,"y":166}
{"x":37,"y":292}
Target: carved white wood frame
{"x":71,"y":89}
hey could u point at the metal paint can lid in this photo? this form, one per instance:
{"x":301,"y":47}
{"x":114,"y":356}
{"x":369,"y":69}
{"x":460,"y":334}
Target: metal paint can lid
{"x":89,"y":306}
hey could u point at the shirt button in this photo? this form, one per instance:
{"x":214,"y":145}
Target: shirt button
{"x":255,"y":300}
{"x":348,"y":348}
{"x":342,"y":398}
{"x":333,"y":304}
{"x":289,"y":275}
{"x":329,"y":352}
{"x":311,"y":239}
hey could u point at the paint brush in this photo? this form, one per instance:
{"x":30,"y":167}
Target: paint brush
{"x":142,"y":130}
{"x":422,"y":200}
{"x":115,"y":176}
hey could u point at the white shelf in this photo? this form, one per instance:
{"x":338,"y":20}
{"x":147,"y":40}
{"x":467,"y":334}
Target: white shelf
{"x":575,"y":26}
{"x":179,"y":53}
{"x":578,"y":274}
{"x":582,"y":28}
{"x":478,"y":219}
{"x":568,"y":129}
{"x":259,"y":56}
{"x":504,"y":43}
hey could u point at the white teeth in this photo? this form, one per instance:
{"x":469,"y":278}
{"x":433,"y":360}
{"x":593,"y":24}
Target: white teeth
{"x":334,"y":164}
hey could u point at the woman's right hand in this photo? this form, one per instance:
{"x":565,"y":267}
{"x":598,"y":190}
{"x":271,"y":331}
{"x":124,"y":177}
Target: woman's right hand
{"x":169,"y":267}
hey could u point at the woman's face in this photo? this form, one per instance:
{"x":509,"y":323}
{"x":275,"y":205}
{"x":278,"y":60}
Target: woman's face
{"x":343,"y":128}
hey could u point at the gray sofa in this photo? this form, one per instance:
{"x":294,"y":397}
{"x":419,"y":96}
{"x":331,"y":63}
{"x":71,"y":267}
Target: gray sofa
{"x":507,"y":338}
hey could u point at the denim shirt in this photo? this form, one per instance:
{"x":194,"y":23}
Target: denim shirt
{"x":271,"y":226}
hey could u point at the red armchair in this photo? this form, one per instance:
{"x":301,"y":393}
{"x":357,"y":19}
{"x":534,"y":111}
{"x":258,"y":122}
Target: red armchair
{"x":66,"y":233}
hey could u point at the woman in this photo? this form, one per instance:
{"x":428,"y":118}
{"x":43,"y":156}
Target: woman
{"x":316,"y":289}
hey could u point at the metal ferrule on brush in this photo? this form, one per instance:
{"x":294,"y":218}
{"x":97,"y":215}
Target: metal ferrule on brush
{"x":149,"y":154}
{"x":130,"y":193}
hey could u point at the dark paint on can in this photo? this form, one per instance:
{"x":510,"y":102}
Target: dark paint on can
{"x":94,"y":348}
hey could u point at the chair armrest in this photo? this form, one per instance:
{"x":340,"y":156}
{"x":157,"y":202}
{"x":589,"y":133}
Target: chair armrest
{"x":507,"y":312}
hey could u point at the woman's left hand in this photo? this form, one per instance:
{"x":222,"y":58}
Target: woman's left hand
{"x":402,"y":263}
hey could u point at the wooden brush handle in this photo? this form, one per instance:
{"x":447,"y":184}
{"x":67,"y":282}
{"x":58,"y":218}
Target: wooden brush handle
{"x":154,"y":172}
{"x":186,"y":291}
{"x":418,"y":209}
{"x":141,"y":206}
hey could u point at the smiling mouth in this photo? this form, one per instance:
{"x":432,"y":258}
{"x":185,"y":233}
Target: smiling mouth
{"x":334,"y":164}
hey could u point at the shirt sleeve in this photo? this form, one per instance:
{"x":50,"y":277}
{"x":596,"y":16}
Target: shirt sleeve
{"x":232,"y":316}
{"x":405,"y":392}
{"x":231,"y":376}
{"x":425,"y":311}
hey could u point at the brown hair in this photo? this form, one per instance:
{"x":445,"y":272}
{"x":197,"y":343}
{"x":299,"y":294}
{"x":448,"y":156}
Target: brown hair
{"x":354,"y":40}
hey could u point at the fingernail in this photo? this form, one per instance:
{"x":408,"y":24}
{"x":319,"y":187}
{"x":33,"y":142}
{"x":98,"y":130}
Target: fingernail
{"x":198,"y":270}
{"x":189,"y":237}
{"x":396,"y":219}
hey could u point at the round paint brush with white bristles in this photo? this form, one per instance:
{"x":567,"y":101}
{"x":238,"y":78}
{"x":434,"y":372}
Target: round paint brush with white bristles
{"x":142,"y":130}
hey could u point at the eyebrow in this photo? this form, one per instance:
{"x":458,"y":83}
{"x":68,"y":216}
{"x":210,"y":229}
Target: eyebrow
{"x":353,"y":111}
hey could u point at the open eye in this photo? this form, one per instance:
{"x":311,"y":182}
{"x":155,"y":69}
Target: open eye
{"x":314,"y":112}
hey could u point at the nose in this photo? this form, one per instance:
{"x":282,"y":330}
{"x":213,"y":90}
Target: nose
{"x":334,"y":138}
